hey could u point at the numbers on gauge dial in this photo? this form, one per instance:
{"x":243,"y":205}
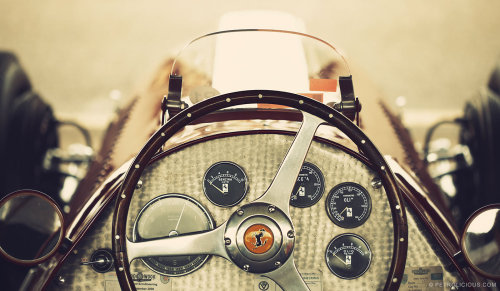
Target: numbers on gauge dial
{"x":309,"y":187}
{"x":348,"y":205}
{"x":172,"y":215}
{"x":348,"y":256}
{"x":225,"y":184}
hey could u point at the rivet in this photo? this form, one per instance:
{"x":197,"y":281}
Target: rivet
{"x":228,"y":99}
{"x":189,"y":115}
{"x":376,"y":183}
{"x":60,"y":280}
{"x":227,"y":241}
{"x":382,"y":168}
{"x":402,"y":239}
{"x":75,"y":252}
{"x":301,"y":101}
{"x":398,"y":207}
{"x":240,"y":212}
{"x":182,"y":106}
{"x":139,"y":184}
{"x":162,"y":134}
{"x":260,"y":96}
{"x":137,"y":166}
{"x":363,"y":141}
{"x":395,"y":280}
{"x":246,"y":268}
{"x":120,"y":268}
{"x":330,"y":115}
{"x":271,"y":208}
{"x":117,"y":237}
{"x":290,"y":234}
{"x":123,"y":196}
{"x":277,"y":263}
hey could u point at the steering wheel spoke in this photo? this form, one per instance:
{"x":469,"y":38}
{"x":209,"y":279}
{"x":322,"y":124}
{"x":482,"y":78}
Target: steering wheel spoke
{"x":288,"y":277}
{"x":203,"y":243}
{"x":279,"y":192}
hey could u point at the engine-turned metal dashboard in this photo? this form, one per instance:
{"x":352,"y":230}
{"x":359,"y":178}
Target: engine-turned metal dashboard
{"x":259,"y":156}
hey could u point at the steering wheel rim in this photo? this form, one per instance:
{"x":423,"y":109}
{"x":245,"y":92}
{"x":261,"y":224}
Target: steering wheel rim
{"x":314,"y":114}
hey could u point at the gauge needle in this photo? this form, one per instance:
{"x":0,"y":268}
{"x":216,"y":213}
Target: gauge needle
{"x":340,"y":259}
{"x":180,"y":216}
{"x":216,"y":187}
{"x":343,"y":210}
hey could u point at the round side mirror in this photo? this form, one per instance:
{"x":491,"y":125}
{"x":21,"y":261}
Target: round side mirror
{"x":31,"y":227}
{"x":481,"y":241}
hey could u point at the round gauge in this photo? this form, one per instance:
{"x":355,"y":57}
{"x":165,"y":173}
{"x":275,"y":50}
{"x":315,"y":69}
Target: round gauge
{"x":348,"y":256}
{"x":172,"y":215}
{"x":225,"y":184}
{"x":309,"y":187}
{"x":348,"y":205}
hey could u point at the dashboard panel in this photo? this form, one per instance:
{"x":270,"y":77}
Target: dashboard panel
{"x":260,"y":155}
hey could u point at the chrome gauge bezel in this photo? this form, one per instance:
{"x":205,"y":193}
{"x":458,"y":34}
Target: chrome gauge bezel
{"x":335,"y":239}
{"x":242,"y":195}
{"x":331,"y":214}
{"x":182,"y":196}
{"x":320,"y":190}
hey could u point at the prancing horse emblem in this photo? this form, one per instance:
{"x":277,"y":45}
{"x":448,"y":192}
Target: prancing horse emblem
{"x":258,"y":238}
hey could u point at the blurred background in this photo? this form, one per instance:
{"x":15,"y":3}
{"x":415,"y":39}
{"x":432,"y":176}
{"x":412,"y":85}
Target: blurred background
{"x":80,"y":55}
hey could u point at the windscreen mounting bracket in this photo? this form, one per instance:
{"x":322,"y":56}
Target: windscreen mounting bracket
{"x":172,"y":103}
{"x":349,"y":104}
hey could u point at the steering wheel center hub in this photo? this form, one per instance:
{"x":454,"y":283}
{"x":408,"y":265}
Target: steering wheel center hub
{"x":258,"y":237}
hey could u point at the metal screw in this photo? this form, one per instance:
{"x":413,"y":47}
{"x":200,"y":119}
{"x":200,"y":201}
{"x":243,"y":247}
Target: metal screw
{"x":376,"y":183}
{"x":277,"y":263}
{"x":139,"y":184}
{"x":290,"y":234}
{"x":246,"y":268}
{"x":240,"y":212}
{"x":271,"y":208}
{"x":227,"y":241}
{"x":60,"y":280}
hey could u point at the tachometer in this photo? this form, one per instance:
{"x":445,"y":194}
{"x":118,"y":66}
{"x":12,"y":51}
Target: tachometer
{"x":225,"y":184}
{"x":348,"y":256}
{"x":309,"y":187}
{"x":348,"y":205}
{"x":172,"y":215}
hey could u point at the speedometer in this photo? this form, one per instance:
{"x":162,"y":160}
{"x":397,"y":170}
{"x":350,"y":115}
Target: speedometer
{"x":167,"y":216}
{"x":348,"y":205}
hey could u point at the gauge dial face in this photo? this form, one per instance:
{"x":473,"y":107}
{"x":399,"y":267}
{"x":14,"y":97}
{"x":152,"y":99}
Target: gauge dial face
{"x":348,"y":256}
{"x":309,"y":187}
{"x":348,"y":205}
{"x":225,"y":184}
{"x":172,"y":215}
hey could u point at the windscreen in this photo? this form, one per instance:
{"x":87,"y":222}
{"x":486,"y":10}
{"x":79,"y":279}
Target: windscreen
{"x":250,"y":59}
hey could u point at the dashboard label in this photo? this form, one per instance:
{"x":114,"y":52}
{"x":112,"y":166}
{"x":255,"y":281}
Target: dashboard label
{"x":312,"y":279}
{"x":423,"y":278}
{"x":143,"y":281}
